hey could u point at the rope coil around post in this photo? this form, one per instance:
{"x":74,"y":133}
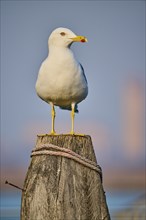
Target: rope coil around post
{"x":51,"y":149}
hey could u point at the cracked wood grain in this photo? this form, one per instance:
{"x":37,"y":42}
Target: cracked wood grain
{"x":58,"y":188}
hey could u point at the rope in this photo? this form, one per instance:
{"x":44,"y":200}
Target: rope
{"x":51,"y":149}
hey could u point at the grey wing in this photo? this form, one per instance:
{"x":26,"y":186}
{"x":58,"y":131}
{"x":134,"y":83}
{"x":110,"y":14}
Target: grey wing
{"x":83,"y":72}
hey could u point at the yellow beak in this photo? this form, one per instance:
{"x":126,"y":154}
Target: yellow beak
{"x":79,"y":39}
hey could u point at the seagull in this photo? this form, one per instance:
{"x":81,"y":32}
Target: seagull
{"x":61,"y":79}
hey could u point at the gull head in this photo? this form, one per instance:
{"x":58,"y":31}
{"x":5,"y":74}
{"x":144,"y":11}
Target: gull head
{"x":64,"y":37}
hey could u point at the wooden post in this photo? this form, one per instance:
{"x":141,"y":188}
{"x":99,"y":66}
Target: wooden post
{"x":63,"y":181}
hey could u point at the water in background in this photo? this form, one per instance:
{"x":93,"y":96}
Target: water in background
{"x":10,"y":205}
{"x":116,"y":200}
{"x":125,"y":205}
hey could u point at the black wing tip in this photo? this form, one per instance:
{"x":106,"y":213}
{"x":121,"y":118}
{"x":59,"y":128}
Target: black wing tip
{"x":69,"y":108}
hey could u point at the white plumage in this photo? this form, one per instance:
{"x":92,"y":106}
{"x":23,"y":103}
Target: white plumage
{"x":61,"y":79}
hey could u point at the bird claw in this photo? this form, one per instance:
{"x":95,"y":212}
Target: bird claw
{"x":41,"y":135}
{"x":81,"y":135}
{"x":75,"y":134}
{"x":52,"y":133}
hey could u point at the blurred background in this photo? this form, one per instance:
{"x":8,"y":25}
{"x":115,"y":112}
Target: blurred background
{"x":113,"y":113}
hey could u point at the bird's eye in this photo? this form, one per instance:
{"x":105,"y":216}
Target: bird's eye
{"x":62,"y":33}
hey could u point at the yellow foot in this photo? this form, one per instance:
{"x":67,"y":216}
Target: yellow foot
{"x":51,"y":133}
{"x":41,"y":135}
{"x":75,"y":134}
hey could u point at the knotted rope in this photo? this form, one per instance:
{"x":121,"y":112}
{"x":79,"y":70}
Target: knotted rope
{"x":51,"y":149}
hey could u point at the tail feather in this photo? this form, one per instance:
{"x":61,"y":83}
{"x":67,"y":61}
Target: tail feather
{"x":69,"y":108}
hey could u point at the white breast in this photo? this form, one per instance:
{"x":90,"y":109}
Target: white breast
{"x":61,"y":79}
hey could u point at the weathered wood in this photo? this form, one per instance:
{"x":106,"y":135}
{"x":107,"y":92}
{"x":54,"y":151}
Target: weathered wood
{"x":59,"y":188}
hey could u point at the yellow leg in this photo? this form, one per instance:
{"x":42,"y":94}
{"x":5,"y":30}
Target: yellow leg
{"x":53,"y":119}
{"x":72,"y":119}
{"x":53,"y":114}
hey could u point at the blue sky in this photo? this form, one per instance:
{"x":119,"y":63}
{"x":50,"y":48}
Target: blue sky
{"x":114,"y":54}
